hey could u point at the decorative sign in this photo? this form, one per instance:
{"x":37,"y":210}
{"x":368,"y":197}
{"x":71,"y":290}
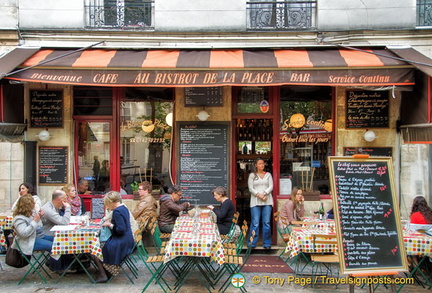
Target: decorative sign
{"x":203,"y":96}
{"x":97,"y":210}
{"x":53,"y":164}
{"x":375,"y":151}
{"x":367,"y":109}
{"x":367,"y":215}
{"x":46,"y":108}
{"x":202,"y":160}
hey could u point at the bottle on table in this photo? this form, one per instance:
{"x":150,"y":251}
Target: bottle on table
{"x":321,"y":211}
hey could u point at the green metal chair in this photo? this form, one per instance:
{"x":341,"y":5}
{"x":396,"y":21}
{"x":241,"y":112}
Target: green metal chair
{"x":36,"y":263}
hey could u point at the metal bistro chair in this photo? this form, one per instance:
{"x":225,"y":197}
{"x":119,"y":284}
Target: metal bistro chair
{"x":36,"y":263}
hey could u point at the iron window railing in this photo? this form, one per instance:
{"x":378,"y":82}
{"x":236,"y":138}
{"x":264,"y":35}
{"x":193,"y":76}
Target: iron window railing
{"x":424,"y":13}
{"x":119,"y":14}
{"x":281,"y":15}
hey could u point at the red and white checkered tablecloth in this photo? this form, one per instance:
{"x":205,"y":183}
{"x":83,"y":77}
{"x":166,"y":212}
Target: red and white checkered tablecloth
{"x":195,"y":237}
{"x":80,"y":240}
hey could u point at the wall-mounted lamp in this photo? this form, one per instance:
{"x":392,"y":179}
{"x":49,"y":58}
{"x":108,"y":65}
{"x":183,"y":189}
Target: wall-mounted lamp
{"x":203,"y":115}
{"x":44,"y":135}
{"x":369,"y":136}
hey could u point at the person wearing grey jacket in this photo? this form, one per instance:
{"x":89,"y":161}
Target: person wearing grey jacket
{"x":25,"y":224}
{"x":52,"y":212}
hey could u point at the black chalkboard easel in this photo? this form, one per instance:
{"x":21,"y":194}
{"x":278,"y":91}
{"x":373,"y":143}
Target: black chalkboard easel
{"x":367,"y":215}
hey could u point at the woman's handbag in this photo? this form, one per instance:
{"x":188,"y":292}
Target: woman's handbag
{"x":15,"y":259}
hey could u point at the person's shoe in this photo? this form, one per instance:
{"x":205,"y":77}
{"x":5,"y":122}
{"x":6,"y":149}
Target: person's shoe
{"x":101,"y":279}
{"x":267,"y":247}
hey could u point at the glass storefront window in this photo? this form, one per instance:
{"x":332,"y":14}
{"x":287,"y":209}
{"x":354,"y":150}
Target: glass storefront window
{"x":305,"y":137}
{"x":253,"y":100}
{"x":145,"y":141}
{"x":94,"y":155}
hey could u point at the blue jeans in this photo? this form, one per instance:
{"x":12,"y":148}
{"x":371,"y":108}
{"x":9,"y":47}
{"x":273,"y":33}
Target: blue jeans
{"x":44,"y":243}
{"x":261,"y":214}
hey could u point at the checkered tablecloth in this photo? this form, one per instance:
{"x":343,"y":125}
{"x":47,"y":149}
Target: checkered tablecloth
{"x":418,"y":244}
{"x":195,"y":237}
{"x":80,"y":240}
{"x":302,"y":241}
{"x":321,"y":224}
{"x":8,"y":226}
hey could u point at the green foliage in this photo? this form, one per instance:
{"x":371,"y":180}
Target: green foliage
{"x":135,"y":186}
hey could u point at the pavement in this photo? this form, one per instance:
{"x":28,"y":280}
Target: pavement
{"x":80,"y":283}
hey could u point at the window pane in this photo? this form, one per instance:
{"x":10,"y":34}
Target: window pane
{"x":92,"y":101}
{"x":250,"y":99}
{"x":94,"y":155}
{"x":145,"y":138}
{"x":305,"y":135}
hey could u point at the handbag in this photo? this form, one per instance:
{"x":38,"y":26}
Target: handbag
{"x":16,"y":259}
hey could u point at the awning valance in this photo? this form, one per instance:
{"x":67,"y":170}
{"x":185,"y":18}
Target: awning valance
{"x":329,"y":66}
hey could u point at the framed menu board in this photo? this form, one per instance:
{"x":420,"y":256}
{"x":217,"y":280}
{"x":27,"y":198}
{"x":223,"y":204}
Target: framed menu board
{"x":374,"y":151}
{"x":367,"y":109}
{"x":203,"y":96}
{"x":46,"y":108}
{"x":202,"y":160}
{"x":367,"y":215}
{"x":53,"y":163}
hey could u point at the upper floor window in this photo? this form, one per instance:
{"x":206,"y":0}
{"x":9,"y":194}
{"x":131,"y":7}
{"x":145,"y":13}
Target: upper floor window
{"x":281,"y":14}
{"x":424,"y":12}
{"x":119,"y":14}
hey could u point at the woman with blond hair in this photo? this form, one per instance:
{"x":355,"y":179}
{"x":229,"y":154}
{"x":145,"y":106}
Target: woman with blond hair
{"x":292,"y":209}
{"x":76,"y":202}
{"x":121,"y":241}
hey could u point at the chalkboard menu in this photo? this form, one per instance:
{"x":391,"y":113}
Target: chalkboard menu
{"x":97,"y":210}
{"x":46,"y":108}
{"x":367,"y":109}
{"x":53,"y":161}
{"x":375,"y":151}
{"x":367,"y":214}
{"x":203,"y":96}
{"x":203,"y":160}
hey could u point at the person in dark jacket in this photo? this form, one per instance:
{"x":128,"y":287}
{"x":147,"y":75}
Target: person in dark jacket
{"x":170,"y":208}
{"x":226,"y":211}
{"x":120,"y":243}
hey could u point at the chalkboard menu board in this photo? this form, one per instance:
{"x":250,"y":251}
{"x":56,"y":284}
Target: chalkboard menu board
{"x":46,"y":108}
{"x":375,"y":151}
{"x":367,"y":109}
{"x":53,"y":161}
{"x":367,"y":214}
{"x":203,"y":96}
{"x":202,"y":160}
{"x":97,"y":210}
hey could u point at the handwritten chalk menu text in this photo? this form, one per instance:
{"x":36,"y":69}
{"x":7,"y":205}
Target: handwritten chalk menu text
{"x":367,"y":214}
{"x":367,"y":109}
{"x":46,"y":108}
{"x":53,"y":165}
{"x":203,"y":96}
{"x":203,"y":161}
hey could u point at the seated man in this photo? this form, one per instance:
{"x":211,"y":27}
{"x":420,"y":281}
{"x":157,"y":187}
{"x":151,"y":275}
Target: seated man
{"x":54,"y":217}
{"x":170,"y":208}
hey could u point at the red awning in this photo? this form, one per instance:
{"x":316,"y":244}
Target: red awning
{"x":334,"y":67}
{"x":15,"y":58}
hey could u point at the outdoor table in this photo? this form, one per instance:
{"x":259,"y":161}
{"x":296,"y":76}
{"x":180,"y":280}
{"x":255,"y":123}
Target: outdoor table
{"x":302,"y":241}
{"x":421,"y":245}
{"x":76,"y":240}
{"x":197,"y":240}
{"x":7,"y":226}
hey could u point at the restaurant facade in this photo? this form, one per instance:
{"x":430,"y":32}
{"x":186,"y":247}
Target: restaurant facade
{"x":199,"y":117}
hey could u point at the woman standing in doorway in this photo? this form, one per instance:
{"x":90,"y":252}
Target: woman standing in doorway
{"x":260,"y":185}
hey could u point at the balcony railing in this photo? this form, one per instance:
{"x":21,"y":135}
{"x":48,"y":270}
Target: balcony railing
{"x":424,"y":12}
{"x":281,"y":15}
{"x":119,"y":14}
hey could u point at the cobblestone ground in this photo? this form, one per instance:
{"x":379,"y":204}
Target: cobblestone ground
{"x":80,"y":283}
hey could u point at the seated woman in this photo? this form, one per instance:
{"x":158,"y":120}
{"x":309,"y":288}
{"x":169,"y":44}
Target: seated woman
{"x":25,"y":223}
{"x":421,"y":214}
{"x":292,"y":209}
{"x":120,"y":243}
{"x":76,"y":202}
{"x":146,"y":208}
{"x":226,"y":212}
{"x":26,"y":188}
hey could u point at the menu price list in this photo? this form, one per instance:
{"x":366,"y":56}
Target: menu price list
{"x":52,"y":165}
{"x":203,"y":161}
{"x":367,"y":109}
{"x":366,"y":214}
{"x":46,"y":108}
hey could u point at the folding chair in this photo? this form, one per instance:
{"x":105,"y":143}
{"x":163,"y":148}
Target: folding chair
{"x":284,"y":233}
{"x":36,"y":262}
{"x":324,"y":259}
{"x":229,"y":236}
